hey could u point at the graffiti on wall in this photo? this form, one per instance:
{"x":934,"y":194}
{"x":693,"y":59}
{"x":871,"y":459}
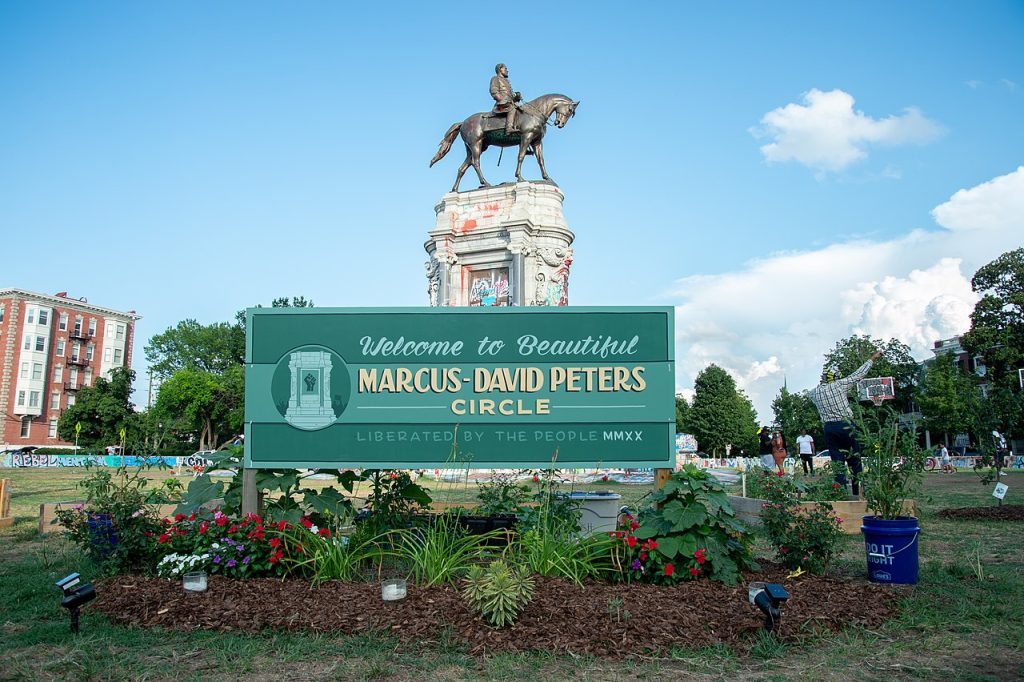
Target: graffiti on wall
{"x":27,"y":460}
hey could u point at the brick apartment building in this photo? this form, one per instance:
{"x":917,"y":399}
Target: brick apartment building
{"x":50,"y":348}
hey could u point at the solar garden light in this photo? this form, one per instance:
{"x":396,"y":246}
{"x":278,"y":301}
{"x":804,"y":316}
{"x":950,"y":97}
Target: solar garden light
{"x":769,"y":597}
{"x":76,"y":595}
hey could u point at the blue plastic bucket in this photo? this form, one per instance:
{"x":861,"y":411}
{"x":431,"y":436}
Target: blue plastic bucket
{"x":891,"y":548}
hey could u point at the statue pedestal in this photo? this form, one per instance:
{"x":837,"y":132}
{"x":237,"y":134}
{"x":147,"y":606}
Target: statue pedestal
{"x":502,"y":245}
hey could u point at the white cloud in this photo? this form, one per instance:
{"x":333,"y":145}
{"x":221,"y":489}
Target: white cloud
{"x":777,"y":317}
{"x":993,"y":205}
{"x":827,"y":134}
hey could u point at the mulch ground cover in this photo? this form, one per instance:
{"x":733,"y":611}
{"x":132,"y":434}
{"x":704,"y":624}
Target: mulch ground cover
{"x":610,"y":621}
{"x":1006,"y":512}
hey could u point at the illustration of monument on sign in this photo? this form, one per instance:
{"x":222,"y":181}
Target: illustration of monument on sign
{"x":309,"y":400}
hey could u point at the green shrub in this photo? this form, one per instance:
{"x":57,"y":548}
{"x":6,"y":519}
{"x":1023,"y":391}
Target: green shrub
{"x":503,"y":494}
{"x":803,"y":537}
{"x":498,"y":591}
{"x":564,"y":555}
{"x":691,"y":532}
{"x":440,"y":551}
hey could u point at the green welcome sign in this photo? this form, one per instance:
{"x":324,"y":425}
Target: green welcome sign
{"x":436,"y":387}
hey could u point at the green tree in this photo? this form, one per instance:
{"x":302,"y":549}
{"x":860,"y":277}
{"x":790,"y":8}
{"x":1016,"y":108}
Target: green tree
{"x":795,"y":411}
{"x":189,"y":345}
{"x":682,"y":407}
{"x":720,"y":415}
{"x":202,"y":403}
{"x":949,"y":397}
{"x":103,"y":410}
{"x":896,"y":362}
{"x":997,"y":335}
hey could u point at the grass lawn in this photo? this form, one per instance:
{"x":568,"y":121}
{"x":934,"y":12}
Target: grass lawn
{"x":965,"y":620}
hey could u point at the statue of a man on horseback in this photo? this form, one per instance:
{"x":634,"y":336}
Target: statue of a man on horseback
{"x":524,"y":125}
{"x":506,"y":100}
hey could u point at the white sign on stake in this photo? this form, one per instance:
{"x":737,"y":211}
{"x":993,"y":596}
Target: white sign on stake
{"x":1000,"y":491}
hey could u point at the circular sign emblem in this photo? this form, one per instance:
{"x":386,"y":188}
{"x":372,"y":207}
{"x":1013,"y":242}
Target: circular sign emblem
{"x":311,"y":387}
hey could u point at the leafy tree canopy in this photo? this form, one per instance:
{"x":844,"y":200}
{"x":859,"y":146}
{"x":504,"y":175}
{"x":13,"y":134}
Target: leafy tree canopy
{"x":103,"y":409}
{"x":997,"y":323}
{"x":189,"y":345}
{"x":949,"y":397}
{"x":795,"y":411}
{"x":203,"y":403}
{"x":720,"y":415}
{"x":682,"y":407}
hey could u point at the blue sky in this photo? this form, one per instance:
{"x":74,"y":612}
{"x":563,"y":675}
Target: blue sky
{"x":771,"y":170}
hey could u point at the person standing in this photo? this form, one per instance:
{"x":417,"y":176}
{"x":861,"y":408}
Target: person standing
{"x":805,"y":447}
{"x":832,"y":398}
{"x":947,"y":465}
{"x":764,"y":447}
{"x":779,"y":451}
{"x":999,"y":441}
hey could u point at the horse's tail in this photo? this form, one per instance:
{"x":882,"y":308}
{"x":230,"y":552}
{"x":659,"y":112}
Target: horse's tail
{"x":446,"y":143}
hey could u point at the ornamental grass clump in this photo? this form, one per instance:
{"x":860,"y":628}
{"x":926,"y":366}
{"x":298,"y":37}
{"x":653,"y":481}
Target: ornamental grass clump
{"x":691,"y":533}
{"x":441,"y":551}
{"x":803,"y":536}
{"x":498,"y":591}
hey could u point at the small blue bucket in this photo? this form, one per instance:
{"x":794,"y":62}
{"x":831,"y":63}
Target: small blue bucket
{"x":891,"y":548}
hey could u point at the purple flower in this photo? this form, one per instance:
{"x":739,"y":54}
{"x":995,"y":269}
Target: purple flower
{"x":216,"y":559}
{"x":636,"y":564}
{"x":232,"y":563}
{"x":246,"y":559}
{"x":239,"y":547}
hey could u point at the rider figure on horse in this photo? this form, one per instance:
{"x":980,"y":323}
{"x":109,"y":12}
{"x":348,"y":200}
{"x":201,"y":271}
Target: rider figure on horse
{"x":506,"y":100}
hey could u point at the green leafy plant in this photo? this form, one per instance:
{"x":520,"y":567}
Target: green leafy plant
{"x":553,"y":512}
{"x":393,"y":500}
{"x":803,"y":536}
{"x":440,"y":551}
{"x":893,"y":461}
{"x":115,"y":523}
{"x":563,"y":555}
{"x":503,"y":494}
{"x":327,"y":556}
{"x":692,"y":527}
{"x":498,"y":591}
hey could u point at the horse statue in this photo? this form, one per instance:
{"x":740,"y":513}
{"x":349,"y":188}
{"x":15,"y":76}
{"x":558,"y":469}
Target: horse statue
{"x":485,"y":129}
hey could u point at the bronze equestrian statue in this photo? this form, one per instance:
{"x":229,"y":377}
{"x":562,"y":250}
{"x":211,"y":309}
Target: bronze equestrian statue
{"x":524,"y":125}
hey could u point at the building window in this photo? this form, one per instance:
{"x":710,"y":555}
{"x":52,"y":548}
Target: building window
{"x":106,"y":355}
{"x":44,"y":317}
{"x":26,"y":426}
{"x":73,"y":376}
{"x":37,"y":371}
{"x":30,"y":316}
{"x":89,"y":351}
{"x":24,"y":370}
{"x":63,"y":323}
{"x":75,"y":351}
{"x":58,"y":374}
{"x":53,"y":429}
{"x":21,"y":398}
{"x":117,"y":357}
{"x":71,"y":400}
{"x":3,"y":309}
{"x":40,"y":343}
{"x":55,"y":401}
{"x":60,"y":348}
{"x":78,"y":325}
{"x":87,"y":381}
{"x":28,"y":342}
{"x":120,"y":332}
{"x":33,"y":398}
{"x":92,"y":326}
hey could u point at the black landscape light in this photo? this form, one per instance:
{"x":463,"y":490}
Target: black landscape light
{"x":76,"y":595}
{"x":769,"y":597}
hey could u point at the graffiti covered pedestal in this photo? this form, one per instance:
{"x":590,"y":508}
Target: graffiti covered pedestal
{"x":500,"y":246}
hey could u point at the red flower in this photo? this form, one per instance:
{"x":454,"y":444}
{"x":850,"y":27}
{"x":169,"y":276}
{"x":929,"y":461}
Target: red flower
{"x":536,"y":478}
{"x":163,"y":538}
{"x":700,"y":556}
{"x":233,"y":529}
{"x":694,"y":572}
{"x":222,"y":520}
{"x":651,"y":544}
{"x":325,"y":532}
{"x":274,"y":558}
{"x":605,"y":477}
{"x":275,"y":542}
{"x":631,"y":541}
{"x":307,"y":523}
{"x":259,"y":535}
{"x":780,"y":474}
{"x":669,"y":570}
{"x":148,"y":534}
{"x":281,"y":525}
{"x":634,"y":525}
{"x":179,"y":517}
{"x":192,"y":516}
{"x":203,"y":526}
{"x":643,"y":556}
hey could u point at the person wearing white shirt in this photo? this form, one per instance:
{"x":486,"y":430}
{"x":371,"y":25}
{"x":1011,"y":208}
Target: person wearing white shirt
{"x":805,"y":446}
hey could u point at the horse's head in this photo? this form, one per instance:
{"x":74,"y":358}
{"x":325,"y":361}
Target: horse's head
{"x":565,"y":109}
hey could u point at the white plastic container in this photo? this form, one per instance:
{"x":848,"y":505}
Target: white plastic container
{"x":393,"y":589}
{"x":599,"y":511}
{"x":194,"y":583}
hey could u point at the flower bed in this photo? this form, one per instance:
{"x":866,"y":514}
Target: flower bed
{"x":601,"y":619}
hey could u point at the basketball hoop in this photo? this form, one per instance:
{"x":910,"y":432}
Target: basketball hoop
{"x":877,"y":400}
{"x":877,"y":390}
